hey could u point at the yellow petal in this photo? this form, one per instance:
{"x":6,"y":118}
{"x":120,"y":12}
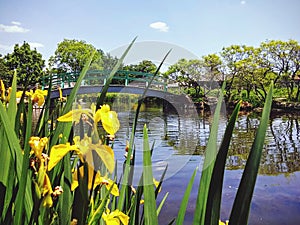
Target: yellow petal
{"x":29,"y":93}
{"x":74,"y":115}
{"x":107,"y":156}
{"x":109,"y":183}
{"x":122,"y":216}
{"x":47,"y":189}
{"x":2,"y":90}
{"x":19,"y":94}
{"x":115,"y":217}
{"x":58,"y":152}
{"x":48,"y":202}
{"x":110,"y":122}
{"x":105,"y":108}
{"x":97,"y":116}
{"x":37,"y":144}
{"x":111,"y":221}
{"x":91,"y":172}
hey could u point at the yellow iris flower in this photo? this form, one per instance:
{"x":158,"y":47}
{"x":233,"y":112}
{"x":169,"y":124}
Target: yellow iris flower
{"x":38,"y":96}
{"x":222,"y":223}
{"x":83,"y":148}
{"x":43,"y":185}
{"x":38,"y":144}
{"x":109,"y":119}
{"x":115,"y":218}
{"x":2,"y":90}
{"x":98,"y":180}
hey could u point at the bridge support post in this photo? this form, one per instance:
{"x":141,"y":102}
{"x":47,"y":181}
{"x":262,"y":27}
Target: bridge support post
{"x":126,"y":80}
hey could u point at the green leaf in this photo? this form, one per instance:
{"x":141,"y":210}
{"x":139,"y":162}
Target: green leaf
{"x":242,"y":202}
{"x":127,"y":169}
{"x":23,"y":181}
{"x":185,"y":200}
{"x":149,"y":193}
{"x":208,"y":165}
{"x":65,"y":200}
{"x":162,"y":203}
{"x":96,"y":215}
{"x":12,"y":107}
{"x":215,"y":190}
{"x":16,"y":154}
{"x":100,"y":99}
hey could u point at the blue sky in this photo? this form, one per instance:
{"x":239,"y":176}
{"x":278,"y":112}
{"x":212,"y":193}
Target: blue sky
{"x":201,"y":27}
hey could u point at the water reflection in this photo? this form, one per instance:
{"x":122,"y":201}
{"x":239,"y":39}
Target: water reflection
{"x":281,"y":150}
{"x":177,"y":135}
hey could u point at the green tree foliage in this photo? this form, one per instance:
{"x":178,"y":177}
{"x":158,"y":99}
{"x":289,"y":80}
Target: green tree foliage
{"x":109,"y":61}
{"x":28,"y":63}
{"x":3,"y":69}
{"x":145,"y":66}
{"x":71,"y":56}
{"x":248,"y":70}
{"x":187,"y":73}
{"x":283,"y":60}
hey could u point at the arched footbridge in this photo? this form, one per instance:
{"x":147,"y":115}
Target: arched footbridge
{"x":131,"y":82}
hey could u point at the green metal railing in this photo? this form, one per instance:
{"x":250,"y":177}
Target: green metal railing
{"x":98,"y":77}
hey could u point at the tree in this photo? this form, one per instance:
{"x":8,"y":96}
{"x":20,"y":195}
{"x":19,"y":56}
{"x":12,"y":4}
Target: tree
{"x":28,"y":63}
{"x":71,"y":56}
{"x":212,"y":65}
{"x":283,"y":60}
{"x":109,"y":61}
{"x":3,"y":70}
{"x":188,"y":73}
{"x":145,"y":66}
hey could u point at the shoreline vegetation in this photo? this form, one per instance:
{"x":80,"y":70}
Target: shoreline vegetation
{"x":279,"y":105}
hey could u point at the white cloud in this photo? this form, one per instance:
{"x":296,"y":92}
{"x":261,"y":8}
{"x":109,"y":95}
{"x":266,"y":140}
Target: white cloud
{"x":161,"y":26}
{"x":243,"y":2}
{"x":16,"y":23}
{"x":14,"y":28}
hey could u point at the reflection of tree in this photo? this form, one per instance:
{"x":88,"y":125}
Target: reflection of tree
{"x":281,"y":152}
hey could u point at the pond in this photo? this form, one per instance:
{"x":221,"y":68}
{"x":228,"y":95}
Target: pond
{"x":179,"y":142}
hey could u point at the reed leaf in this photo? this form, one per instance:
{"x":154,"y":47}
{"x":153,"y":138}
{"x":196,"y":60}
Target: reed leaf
{"x":102,"y":96}
{"x":149,"y":195}
{"x":185,"y":200}
{"x":162,"y":203}
{"x":24,"y":174}
{"x":208,"y":165}
{"x":242,"y":202}
{"x":128,"y":168}
{"x":215,"y":190}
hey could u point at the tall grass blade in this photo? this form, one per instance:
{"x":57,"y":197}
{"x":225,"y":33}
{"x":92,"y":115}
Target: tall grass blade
{"x":162,"y":203}
{"x":208,"y":165}
{"x":150,"y":202}
{"x":215,"y":190}
{"x":101,"y":98}
{"x":128,"y":168}
{"x":185,"y":200}
{"x":65,"y":201}
{"x":16,"y":154}
{"x":23,"y":181}
{"x":242,"y":202}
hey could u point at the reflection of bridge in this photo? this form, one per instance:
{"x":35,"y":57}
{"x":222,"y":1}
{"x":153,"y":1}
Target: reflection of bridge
{"x":131,"y":82}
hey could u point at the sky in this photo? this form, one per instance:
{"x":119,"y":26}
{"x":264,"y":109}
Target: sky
{"x":199,"y":27}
